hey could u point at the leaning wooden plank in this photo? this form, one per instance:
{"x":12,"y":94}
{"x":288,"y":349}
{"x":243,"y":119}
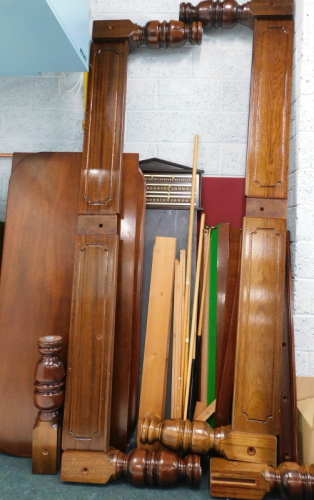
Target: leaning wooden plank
{"x":256,"y":406}
{"x":223,"y":256}
{"x":226,"y":376}
{"x":177,"y":340}
{"x":37,"y":257}
{"x":288,"y":441}
{"x":137,"y":302}
{"x":126,"y":344}
{"x":211,"y":369}
{"x":204,"y":332}
{"x":155,"y":362}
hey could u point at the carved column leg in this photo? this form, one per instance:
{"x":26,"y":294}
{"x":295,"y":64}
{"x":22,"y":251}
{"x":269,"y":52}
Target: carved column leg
{"x":48,"y":398}
{"x":140,"y":467}
{"x":253,"y":481}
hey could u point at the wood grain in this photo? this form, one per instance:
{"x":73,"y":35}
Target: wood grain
{"x":127,"y":326}
{"x":155,"y":363}
{"x":269,"y":120}
{"x":104,"y":128}
{"x":256,"y":402}
{"x":44,"y":189}
{"x":87,"y":409}
{"x":36,"y":281}
{"x":225,"y":377}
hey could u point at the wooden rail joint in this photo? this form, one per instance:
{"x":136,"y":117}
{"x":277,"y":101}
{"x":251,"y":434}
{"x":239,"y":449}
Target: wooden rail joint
{"x":154,"y":34}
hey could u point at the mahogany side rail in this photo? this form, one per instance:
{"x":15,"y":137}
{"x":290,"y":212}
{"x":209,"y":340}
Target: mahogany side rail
{"x":87,"y":409}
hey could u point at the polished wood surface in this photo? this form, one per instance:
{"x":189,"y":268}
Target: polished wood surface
{"x":87,"y":409}
{"x":36,"y":281}
{"x":102,"y":150}
{"x":154,"y":34}
{"x":254,"y":481}
{"x":256,"y":401}
{"x":223,"y":250}
{"x":225,"y":376}
{"x":86,"y":420}
{"x":139,"y":467}
{"x":216,"y":14}
{"x":288,"y":439}
{"x":269,"y":117}
{"x":137,"y":304}
{"x":48,"y":398}
{"x":127,"y":325}
{"x":44,"y":188}
{"x":227,"y":13}
{"x":198,"y":437}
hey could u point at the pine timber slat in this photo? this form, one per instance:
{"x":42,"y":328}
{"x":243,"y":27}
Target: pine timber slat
{"x":155,"y":362}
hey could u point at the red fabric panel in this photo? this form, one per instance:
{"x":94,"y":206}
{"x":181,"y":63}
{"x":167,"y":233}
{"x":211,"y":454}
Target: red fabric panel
{"x":223,"y":200}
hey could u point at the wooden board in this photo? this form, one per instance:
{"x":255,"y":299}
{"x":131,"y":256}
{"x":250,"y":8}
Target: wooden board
{"x":223,"y":252}
{"x":44,"y":189}
{"x":36,"y":282}
{"x":127,"y":338}
{"x":226,"y":375}
{"x":155,"y":363}
{"x":288,"y":439}
{"x":256,"y":406}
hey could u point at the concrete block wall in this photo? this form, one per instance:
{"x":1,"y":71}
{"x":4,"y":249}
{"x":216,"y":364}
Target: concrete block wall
{"x":172,"y":95}
{"x":301,"y":201}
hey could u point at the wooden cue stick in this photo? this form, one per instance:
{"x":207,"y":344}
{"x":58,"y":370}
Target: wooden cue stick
{"x":187,"y":291}
{"x":194,"y":314}
{"x":183,"y":272}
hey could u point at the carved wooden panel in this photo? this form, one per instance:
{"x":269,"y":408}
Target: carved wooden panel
{"x":104,"y":127}
{"x":269,"y":122}
{"x":89,"y":371}
{"x":256,"y":404}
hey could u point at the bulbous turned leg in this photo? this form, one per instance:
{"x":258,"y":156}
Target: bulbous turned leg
{"x":182,"y":435}
{"x":158,"y":468}
{"x":48,"y":398}
{"x":217,"y":14}
{"x":173,"y":34}
{"x":198,"y":437}
{"x":139,"y":467}
{"x":245,"y":481}
{"x":292,"y":481}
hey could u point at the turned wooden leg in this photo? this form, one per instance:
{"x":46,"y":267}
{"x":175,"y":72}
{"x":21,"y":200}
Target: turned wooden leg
{"x":48,"y":398}
{"x":252,"y":481}
{"x":140,"y":467}
{"x":198,"y":437}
